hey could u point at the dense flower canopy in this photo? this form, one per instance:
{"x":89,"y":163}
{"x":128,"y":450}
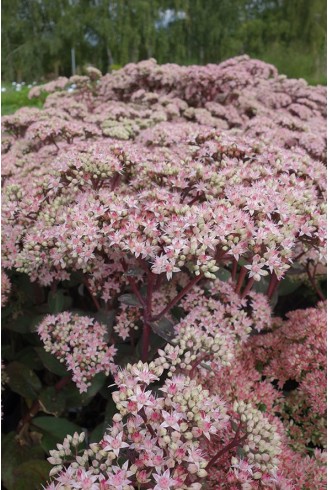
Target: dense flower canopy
{"x":153,"y":175}
{"x":199,"y":188}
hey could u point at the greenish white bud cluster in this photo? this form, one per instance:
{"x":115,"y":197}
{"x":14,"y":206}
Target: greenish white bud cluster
{"x":64,"y":451}
{"x":263,"y":445}
{"x":193,"y":346}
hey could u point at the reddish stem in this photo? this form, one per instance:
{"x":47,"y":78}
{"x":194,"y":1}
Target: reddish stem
{"x":149,"y":427}
{"x":313,"y":282}
{"x":62,"y":382}
{"x":195,"y":199}
{"x":235,"y":442}
{"x":234,"y":269}
{"x":197,"y":362}
{"x":147,"y":315}
{"x":295,"y":259}
{"x":242,"y":275}
{"x":133,"y":285}
{"x":219,"y":254}
{"x":54,"y":286}
{"x":52,"y":139}
{"x":115,"y":182}
{"x":184,"y":194}
{"x":272,"y":285}
{"x":177,"y":298}
{"x":143,"y":265}
{"x":248,"y":287}
{"x":94,"y":299}
{"x":36,"y":406}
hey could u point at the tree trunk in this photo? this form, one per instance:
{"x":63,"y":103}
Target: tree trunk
{"x":110,"y":59}
{"x":56,"y":68}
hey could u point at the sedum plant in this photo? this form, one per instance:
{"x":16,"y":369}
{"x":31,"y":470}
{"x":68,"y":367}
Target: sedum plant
{"x":154,"y":220}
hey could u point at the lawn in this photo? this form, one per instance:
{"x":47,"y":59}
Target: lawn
{"x":13,"y":99}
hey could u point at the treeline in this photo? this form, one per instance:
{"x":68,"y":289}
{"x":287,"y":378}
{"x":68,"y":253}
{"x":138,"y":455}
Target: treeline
{"x":38,"y":36}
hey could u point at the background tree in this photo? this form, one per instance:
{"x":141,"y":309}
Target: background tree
{"x":37,"y":36}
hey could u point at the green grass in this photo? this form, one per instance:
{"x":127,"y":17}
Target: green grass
{"x":11,"y":100}
{"x":296,"y":64}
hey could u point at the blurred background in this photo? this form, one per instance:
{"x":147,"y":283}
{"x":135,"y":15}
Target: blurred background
{"x":42,"y":39}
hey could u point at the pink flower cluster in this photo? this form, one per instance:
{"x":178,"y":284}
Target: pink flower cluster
{"x":208,"y":428}
{"x":166,"y":441}
{"x":239,"y":93}
{"x":58,"y":84}
{"x":78,"y":341}
{"x":216,"y":324}
{"x":296,"y":350}
{"x":5,"y":288}
{"x":225,"y":201}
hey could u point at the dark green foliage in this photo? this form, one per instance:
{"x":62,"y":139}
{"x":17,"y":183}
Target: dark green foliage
{"x":23,"y":380}
{"x":41,"y":404}
{"x":37,"y":37}
{"x":18,"y":460}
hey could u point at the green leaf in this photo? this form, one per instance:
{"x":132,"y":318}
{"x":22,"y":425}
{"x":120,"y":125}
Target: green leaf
{"x":35,"y":321}
{"x":20,"y":325}
{"x":58,"y":428}
{"x":240,"y":452}
{"x":261,"y":286}
{"x":295,"y":269}
{"x":52,"y":401}
{"x":96,"y":384}
{"x":164,"y":328}
{"x":125,"y":353}
{"x":49,"y":442}
{"x":223,"y":274}
{"x":68,"y":300}
{"x":262,"y":407}
{"x":178,"y":313}
{"x":288,"y":286}
{"x":58,"y":301}
{"x":50,"y":362}
{"x":25,"y":323}
{"x":259,"y":366}
{"x":97,"y":434}
{"x":35,"y":472}
{"x":106,"y":392}
{"x":156,"y":342}
{"x":7,"y":352}
{"x":28,"y":288}
{"x":274,"y":300}
{"x":75,"y":279}
{"x":13,"y":455}
{"x":32,"y":339}
{"x":29,"y":357}
{"x":106,"y":318}
{"x":129,"y":299}
{"x":75,"y":399}
{"x":23,"y":380}
{"x":111,"y":410}
{"x":136,"y":271}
